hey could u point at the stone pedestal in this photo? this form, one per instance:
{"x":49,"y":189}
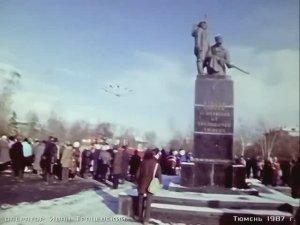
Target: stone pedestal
{"x":206,"y":173}
{"x":213,"y":133}
{"x":239,"y":177}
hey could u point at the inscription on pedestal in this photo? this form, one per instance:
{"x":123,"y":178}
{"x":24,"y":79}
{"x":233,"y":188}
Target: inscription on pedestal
{"x":213,"y":119}
{"x":213,"y":126}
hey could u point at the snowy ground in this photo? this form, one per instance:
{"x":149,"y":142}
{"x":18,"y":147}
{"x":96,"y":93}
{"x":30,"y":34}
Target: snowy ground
{"x":86,"y":207}
{"x":97,"y":205}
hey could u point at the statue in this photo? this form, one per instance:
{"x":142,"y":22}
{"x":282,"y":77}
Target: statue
{"x":217,"y":58}
{"x":214,"y":58}
{"x":201,"y":44}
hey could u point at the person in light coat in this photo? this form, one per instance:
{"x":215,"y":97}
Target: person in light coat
{"x":117,"y":167}
{"x":28,"y":154}
{"x":66,"y":161}
{"x":105,"y":157}
{"x":125,"y":164}
{"x":4,"y":150}
{"x":38,"y":151}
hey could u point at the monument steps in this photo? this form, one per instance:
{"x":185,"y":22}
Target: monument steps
{"x":217,"y":201}
{"x":203,"y":208}
{"x":213,"y":216}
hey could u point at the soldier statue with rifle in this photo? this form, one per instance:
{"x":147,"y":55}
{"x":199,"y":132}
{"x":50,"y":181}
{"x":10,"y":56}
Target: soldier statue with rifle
{"x":214,"y":58}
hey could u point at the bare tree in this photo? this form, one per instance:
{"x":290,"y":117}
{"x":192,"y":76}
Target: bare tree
{"x":246,"y":134}
{"x":150,"y":137}
{"x":127,"y":137}
{"x":105,"y":130}
{"x":13,"y":125}
{"x":56,"y":126}
{"x":285,"y":146}
{"x":79,"y":130}
{"x":176,"y":142}
{"x":33,"y":124}
{"x":7,"y":86}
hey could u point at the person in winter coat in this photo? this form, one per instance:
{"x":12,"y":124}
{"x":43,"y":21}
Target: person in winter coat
{"x":86,"y":158}
{"x":4,"y":150}
{"x":248,"y":167}
{"x":117,"y":167}
{"x":182,"y":155}
{"x":38,"y":151}
{"x":95,"y":157}
{"x":76,"y":156}
{"x":144,"y":176}
{"x":134,"y":163}
{"x":267,"y":172}
{"x":276,"y":172}
{"x":163,"y":161}
{"x":105,"y":158}
{"x":49,"y":159}
{"x":171,"y":164}
{"x":189,"y":157}
{"x":112,"y":155}
{"x":17,"y":159}
{"x":28,"y":153}
{"x":125,"y":164}
{"x":295,"y":180}
{"x":66,"y":161}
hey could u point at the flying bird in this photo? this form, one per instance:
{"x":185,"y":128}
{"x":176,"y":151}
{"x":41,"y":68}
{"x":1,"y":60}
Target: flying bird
{"x":117,"y":90}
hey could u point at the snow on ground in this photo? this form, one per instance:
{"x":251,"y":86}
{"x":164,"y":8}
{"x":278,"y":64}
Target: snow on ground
{"x":93,"y":206}
{"x":87,"y":207}
{"x":270,"y":193}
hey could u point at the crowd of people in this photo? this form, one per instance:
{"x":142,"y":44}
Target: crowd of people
{"x":62,"y":161}
{"x":55,"y":161}
{"x":272,"y":172}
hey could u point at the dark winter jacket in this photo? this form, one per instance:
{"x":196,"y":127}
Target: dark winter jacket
{"x":49,"y":157}
{"x":16,"y":153}
{"x":145,"y":174}
{"x":134,"y":164}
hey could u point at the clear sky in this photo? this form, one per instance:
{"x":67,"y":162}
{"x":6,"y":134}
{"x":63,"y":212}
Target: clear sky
{"x":68,"y":50}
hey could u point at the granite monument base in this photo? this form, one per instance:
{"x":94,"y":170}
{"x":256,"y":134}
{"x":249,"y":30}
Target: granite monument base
{"x":206,"y":173}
